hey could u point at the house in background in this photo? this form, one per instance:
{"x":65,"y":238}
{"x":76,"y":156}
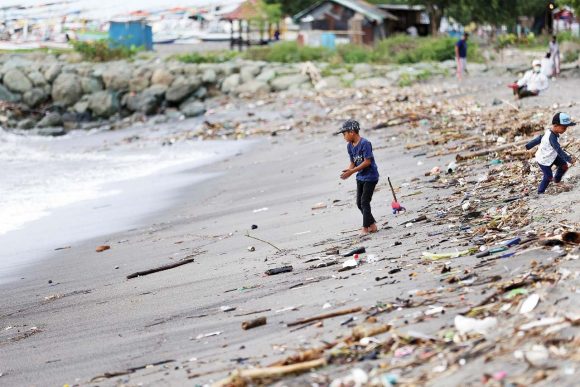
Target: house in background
{"x":409,"y":18}
{"x":354,"y":21}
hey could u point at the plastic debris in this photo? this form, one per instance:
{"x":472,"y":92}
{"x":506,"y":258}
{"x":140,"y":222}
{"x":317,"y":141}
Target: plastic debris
{"x":471,"y":325}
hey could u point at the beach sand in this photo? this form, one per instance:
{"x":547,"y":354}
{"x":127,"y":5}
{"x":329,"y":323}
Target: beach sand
{"x":91,"y":320}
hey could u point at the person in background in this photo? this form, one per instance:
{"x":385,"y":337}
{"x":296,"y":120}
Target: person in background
{"x":532,"y":83}
{"x":461,"y":55}
{"x":547,"y":65}
{"x":550,"y":153}
{"x":555,"y":54}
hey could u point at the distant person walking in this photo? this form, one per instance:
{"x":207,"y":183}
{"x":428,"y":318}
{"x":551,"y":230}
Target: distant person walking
{"x":461,"y":55}
{"x":548,"y":65}
{"x":555,"y":54}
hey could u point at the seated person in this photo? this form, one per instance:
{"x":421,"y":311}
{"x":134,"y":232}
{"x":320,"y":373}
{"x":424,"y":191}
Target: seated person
{"x":531,"y":83}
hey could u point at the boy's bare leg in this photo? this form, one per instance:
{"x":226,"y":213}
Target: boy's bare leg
{"x":373,"y":228}
{"x":364,"y":231}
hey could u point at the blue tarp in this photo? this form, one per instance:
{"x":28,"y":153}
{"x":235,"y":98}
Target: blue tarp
{"x":131,"y":33}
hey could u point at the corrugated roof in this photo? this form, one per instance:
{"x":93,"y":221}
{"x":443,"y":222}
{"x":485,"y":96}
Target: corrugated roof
{"x":369,"y":11}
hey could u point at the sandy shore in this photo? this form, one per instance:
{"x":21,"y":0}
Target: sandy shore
{"x":90,"y":320}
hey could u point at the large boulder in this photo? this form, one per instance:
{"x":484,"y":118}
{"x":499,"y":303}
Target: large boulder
{"x":286,"y":81}
{"x":66,"y":89}
{"x":253,"y":87}
{"x":182,"y":88}
{"x":27,"y":123}
{"x":362,"y":70}
{"x":7,"y":95}
{"x":192,"y":109}
{"x":372,"y":83}
{"x":16,"y":81}
{"x":162,"y":77}
{"x":266,"y":75}
{"x":140,"y":80}
{"x":104,"y":103}
{"x":50,"y":120}
{"x":209,"y":76}
{"x":332,"y":82}
{"x":148,"y":101}
{"x":52,"y":72}
{"x":117,"y":78}
{"x":91,"y":85}
{"x":37,"y":78}
{"x":231,"y":83}
{"x":248,"y":73}
{"x":34,"y":97}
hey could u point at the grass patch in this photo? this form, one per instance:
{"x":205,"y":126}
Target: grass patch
{"x":104,"y":50}
{"x":207,"y":57}
{"x":289,"y":52}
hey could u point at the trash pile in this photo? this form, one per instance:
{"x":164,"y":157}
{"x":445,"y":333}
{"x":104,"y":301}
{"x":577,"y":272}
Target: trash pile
{"x":504,"y":313}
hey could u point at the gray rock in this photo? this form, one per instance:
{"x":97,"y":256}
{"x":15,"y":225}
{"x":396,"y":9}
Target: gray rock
{"x":182,"y":88}
{"x":348,"y":77}
{"x":50,"y":131}
{"x":52,"y":72}
{"x":227,"y":68}
{"x":34,"y":97}
{"x":362,"y":70}
{"x":146,"y":102}
{"x":15,"y":80}
{"x":91,"y":85}
{"x":372,"y":82}
{"x":16,"y":62}
{"x":82,"y":106}
{"x":50,"y":120}
{"x":27,"y":123}
{"x":266,"y":75}
{"x":104,"y":103}
{"x":117,"y":78}
{"x":66,"y":89}
{"x":37,"y":78}
{"x":7,"y":95}
{"x":192,"y":109}
{"x":200,"y":93}
{"x":287,"y":81}
{"x":231,"y":83}
{"x":248,"y":73}
{"x":157,"y":91}
{"x":253,"y":87}
{"x":141,"y":79}
{"x":162,"y":77}
{"x":209,"y":76}
{"x":332,"y":82}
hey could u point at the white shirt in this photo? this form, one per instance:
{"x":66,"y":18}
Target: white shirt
{"x":534,"y":81}
{"x":547,"y":67}
{"x":546,"y":154}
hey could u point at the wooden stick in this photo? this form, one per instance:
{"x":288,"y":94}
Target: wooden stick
{"x":160,"y":268}
{"x":261,"y":240}
{"x":257,"y":322}
{"x":270,"y":372}
{"x":484,"y":152}
{"x":325,"y":316}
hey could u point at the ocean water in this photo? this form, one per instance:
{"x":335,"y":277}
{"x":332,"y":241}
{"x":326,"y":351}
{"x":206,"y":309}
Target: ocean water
{"x":57,"y":190}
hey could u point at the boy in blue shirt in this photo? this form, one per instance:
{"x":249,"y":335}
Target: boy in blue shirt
{"x":550,"y":153}
{"x":362,"y":162}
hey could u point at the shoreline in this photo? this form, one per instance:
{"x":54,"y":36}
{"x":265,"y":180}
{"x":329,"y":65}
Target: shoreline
{"x":100,"y":322}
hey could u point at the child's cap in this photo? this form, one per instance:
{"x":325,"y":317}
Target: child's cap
{"x":348,"y":126}
{"x":562,"y":119}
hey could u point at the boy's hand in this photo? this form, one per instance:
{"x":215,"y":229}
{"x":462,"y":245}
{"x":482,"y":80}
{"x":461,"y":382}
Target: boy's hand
{"x":573,"y":161}
{"x":346,"y":174}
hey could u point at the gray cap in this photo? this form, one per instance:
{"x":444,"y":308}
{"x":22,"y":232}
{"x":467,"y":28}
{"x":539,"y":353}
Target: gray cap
{"x":349,"y":126}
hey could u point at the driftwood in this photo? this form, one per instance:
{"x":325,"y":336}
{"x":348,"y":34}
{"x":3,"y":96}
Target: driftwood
{"x":324,"y":316}
{"x":108,"y":375}
{"x":237,"y":377}
{"x":399,"y":120}
{"x":258,"y":322}
{"x":484,"y":152}
{"x":160,"y":268}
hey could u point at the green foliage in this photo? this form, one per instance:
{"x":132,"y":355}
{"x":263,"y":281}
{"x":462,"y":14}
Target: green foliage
{"x":512,"y":40}
{"x":400,"y":49}
{"x":571,"y":56}
{"x":208,"y":57}
{"x":104,"y":50}
{"x":289,"y":52}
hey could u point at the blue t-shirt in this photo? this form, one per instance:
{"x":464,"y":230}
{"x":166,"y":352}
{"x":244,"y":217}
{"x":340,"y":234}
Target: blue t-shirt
{"x":363,"y":150}
{"x":462,"y":46}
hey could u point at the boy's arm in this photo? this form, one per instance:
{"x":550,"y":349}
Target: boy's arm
{"x":535,"y":142}
{"x":349,"y":172}
{"x":556,"y":145}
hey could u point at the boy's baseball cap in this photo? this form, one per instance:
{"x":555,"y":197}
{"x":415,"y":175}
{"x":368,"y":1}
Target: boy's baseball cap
{"x":349,"y":125}
{"x":562,"y":119}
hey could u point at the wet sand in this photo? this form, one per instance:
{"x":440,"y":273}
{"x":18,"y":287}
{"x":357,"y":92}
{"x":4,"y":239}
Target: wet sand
{"x":91,"y":320}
